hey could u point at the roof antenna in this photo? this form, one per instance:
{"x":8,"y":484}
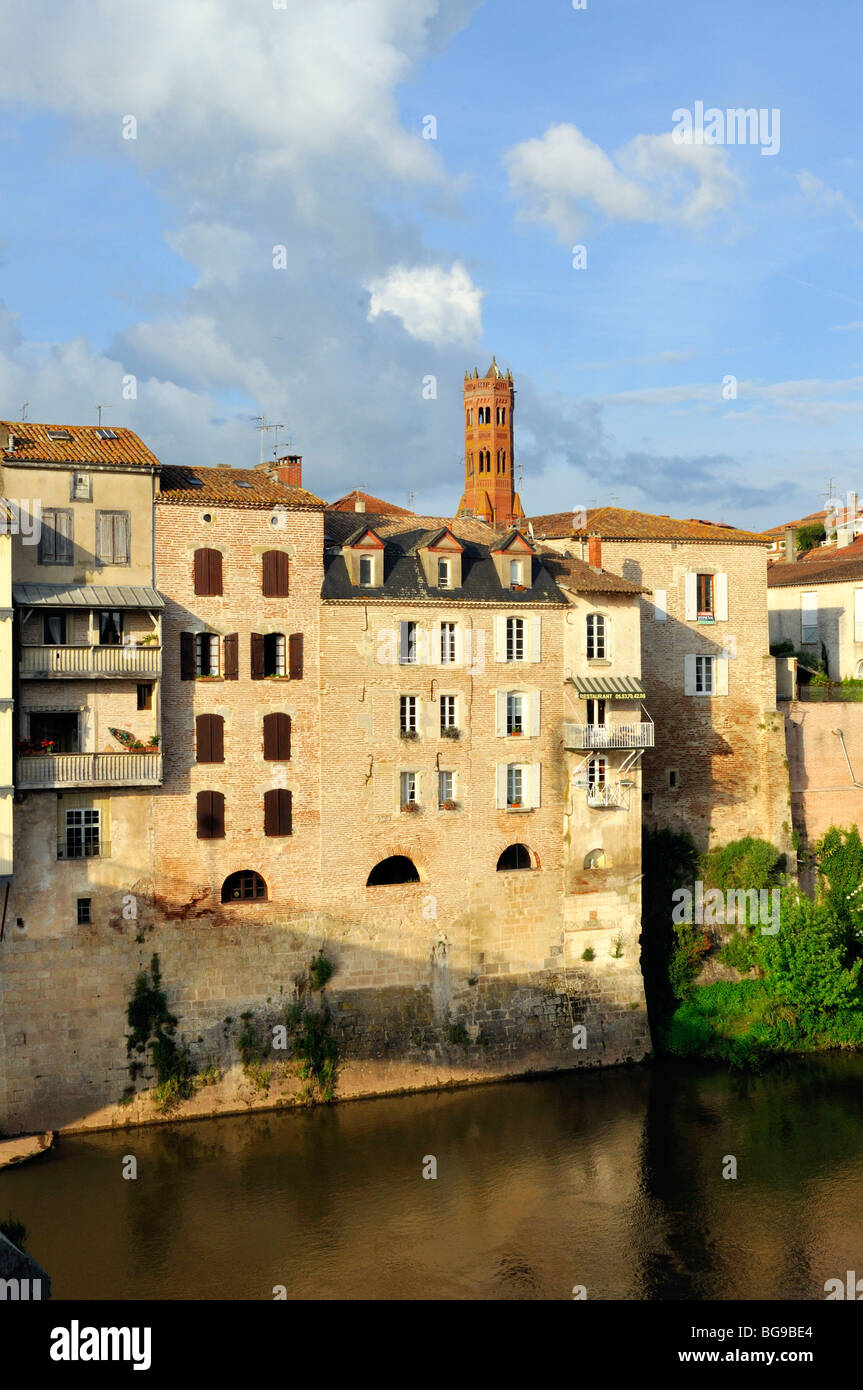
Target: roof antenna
{"x":25,"y":407}
{"x":411,"y":496}
{"x":100,"y":408}
{"x":262,"y":428}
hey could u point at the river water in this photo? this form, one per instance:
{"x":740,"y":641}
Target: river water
{"x":611,"y":1180}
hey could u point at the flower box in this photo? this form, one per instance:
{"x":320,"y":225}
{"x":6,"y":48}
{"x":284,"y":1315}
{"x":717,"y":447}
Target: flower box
{"x":450,"y":731}
{"x":449,"y":805}
{"x":35,"y":748}
{"x":410,"y":807}
{"x":409,"y":733}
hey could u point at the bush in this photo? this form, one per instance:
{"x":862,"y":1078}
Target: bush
{"x":746,"y":863}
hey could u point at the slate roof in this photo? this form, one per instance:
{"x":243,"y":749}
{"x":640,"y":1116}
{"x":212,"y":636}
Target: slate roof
{"x":338,"y":526}
{"x":404,"y":579}
{"x":618,"y":523}
{"x":373,"y":504}
{"x":233,"y":487}
{"x":33,"y":444}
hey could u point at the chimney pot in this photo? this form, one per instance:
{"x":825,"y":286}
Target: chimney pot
{"x":287,"y":470}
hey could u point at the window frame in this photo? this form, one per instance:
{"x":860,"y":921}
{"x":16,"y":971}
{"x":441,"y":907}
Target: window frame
{"x":48,"y":554}
{"x":705,"y":664}
{"x":597,"y":627}
{"x":450,"y":795}
{"x":408,"y":711}
{"x":213,"y":645}
{"x":408,"y":782}
{"x":516,"y":706}
{"x":115,"y":515}
{"x":516,"y":639}
{"x":515,"y":774}
{"x":448,"y":704}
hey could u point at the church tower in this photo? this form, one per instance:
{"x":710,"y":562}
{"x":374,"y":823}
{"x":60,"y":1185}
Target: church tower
{"x":489,"y":482}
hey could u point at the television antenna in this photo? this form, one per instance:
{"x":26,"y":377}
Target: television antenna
{"x":99,"y":409}
{"x":25,"y":407}
{"x":262,"y":429}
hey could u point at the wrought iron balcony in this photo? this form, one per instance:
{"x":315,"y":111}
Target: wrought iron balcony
{"x":90,"y":662}
{"x":47,"y":771}
{"x":608,"y":794}
{"x":608,"y":735}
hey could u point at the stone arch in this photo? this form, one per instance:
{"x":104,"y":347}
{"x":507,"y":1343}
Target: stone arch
{"x":396,"y":868}
{"x":516,"y":856}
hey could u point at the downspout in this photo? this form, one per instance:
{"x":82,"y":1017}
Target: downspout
{"x":841,"y":737}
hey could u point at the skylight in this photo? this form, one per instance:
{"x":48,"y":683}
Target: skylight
{"x":243,"y":483}
{"x":60,"y":435}
{"x":194,"y":482}
{"x":104,"y":433}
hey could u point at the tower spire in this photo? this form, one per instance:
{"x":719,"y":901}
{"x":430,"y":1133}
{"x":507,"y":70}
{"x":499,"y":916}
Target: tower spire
{"x":489,"y":486}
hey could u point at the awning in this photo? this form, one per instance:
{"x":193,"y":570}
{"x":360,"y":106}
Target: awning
{"x":86,"y":596}
{"x":608,"y":687}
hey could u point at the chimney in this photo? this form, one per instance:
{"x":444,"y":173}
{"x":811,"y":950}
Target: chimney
{"x":359,"y":504}
{"x":287,"y":470}
{"x":594,"y":552}
{"x":790,"y":544}
{"x":852,"y":514}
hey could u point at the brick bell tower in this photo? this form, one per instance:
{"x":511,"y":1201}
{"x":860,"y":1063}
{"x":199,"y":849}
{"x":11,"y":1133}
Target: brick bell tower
{"x":489,"y":484}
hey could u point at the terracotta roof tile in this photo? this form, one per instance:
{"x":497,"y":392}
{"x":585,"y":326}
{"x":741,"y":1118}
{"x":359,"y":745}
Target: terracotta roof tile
{"x":618,"y":523}
{"x":837,"y":567}
{"x":576,"y":574}
{"x":339,"y":525}
{"x":232,"y":487}
{"x":33,"y":443}
{"x":372,"y":504}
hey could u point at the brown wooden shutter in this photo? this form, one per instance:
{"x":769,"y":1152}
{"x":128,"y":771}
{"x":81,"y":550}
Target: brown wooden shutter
{"x":274,"y":574}
{"x":203,"y":743}
{"x":231,"y":646}
{"x":187,"y":656}
{"x":217,"y":738}
{"x":210,"y":738}
{"x":277,"y":812}
{"x":257,"y":656}
{"x":295,"y":656}
{"x":211,"y":816}
{"x":215,"y":572}
{"x":277,"y":737}
{"x":208,"y":573}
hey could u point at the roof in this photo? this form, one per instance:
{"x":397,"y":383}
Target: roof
{"x":819,"y":566}
{"x":372,"y":504}
{"x":572,"y":573}
{"x":813,"y":519}
{"x":618,"y":523}
{"x":608,"y":687}
{"x":404,"y":577}
{"x":86,"y":596}
{"x":85,"y":444}
{"x":338,"y":526}
{"x":232,"y":487}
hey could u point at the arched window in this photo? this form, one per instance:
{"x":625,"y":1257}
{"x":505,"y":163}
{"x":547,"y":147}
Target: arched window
{"x":397,"y":869}
{"x":597,"y":637}
{"x":501,"y":415}
{"x":245,"y":886}
{"x":515,"y":857}
{"x":595,"y":860}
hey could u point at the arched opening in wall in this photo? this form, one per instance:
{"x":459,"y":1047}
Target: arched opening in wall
{"x":397,"y":869}
{"x":515,"y":857}
{"x":244,"y":886}
{"x":596,"y":859}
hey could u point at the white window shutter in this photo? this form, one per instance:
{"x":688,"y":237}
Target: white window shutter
{"x":501,"y":786}
{"x":533,"y":713}
{"x":459,"y":645}
{"x":500,"y":721}
{"x":435,"y":640}
{"x":533,"y":788}
{"x":691,"y":590}
{"x":499,"y":637}
{"x":720,"y":674}
{"x":660,"y":605}
{"x":858,"y":615}
{"x":720,"y":597}
{"x":534,"y":637}
{"x":689,"y":675}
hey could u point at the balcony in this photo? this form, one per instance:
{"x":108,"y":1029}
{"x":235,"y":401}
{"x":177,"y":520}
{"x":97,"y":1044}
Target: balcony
{"x":608,"y":794}
{"x":53,"y":771}
{"x":608,"y":735}
{"x":90,"y":662}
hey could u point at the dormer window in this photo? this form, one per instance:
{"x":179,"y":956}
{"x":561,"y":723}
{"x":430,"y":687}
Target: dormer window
{"x":443,"y":573}
{"x":366,"y":571}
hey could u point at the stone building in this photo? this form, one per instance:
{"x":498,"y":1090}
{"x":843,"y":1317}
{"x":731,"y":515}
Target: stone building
{"x":717,"y":765}
{"x":816,"y":603}
{"x":7,"y":520}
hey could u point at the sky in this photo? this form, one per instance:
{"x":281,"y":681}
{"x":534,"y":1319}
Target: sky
{"x":321,"y":214}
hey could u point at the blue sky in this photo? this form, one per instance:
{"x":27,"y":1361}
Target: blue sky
{"x":302,"y":127}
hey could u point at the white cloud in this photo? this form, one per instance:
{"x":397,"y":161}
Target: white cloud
{"x":827,"y":198}
{"x":434,"y":305}
{"x":563,"y":177}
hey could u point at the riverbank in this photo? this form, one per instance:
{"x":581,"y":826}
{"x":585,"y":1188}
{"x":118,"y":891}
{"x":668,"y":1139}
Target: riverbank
{"x":25,"y":1147}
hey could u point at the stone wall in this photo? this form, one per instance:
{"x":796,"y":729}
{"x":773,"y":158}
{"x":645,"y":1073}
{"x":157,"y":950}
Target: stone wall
{"x":822,"y":790}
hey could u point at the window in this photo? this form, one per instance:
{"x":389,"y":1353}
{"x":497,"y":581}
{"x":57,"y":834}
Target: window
{"x":443,"y":574}
{"x":211,"y":816}
{"x":275,"y":567}
{"x":83,"y":909}
{"x":274,"y":654}
{"x":447,"y":712}
{"x":514,"y":857}
{"x":145,"y":696}
{"x":596,"y":774}
{"x":407,"y":644}
{"x":445,"y":787}
{"x":672,"y":777}
{"x":501,"y":415}
{"x":397,"y":869}
{"x":104,"y":433}
{"x":704,"y":595}
{"x":515,"y":639}
{"x":55,"y":537}
{"x":83,"y":834}
{"x":597,"y":637}
{"x":58,"y":729}
{"x":206,"y":654}
{"x":408,"y":714}
{"x":207,"y":572}
{"x":60,"y":436}
{"x":366,"y":571}
{"x":110,"y":628}
{"x":278,"y":812}
{"x":704,"y":675}
{"x":277,"y":737}
{"x":514,"y":785}
{"x":514,"y":713}
{"x":54,"y":630}
{"x":596,"y":713}
{"x":485,"y":415}
{"x":82,"y":488}
{"x":112,"y":538}
{"x":408,"y":788}
{"x":210,"y":738}
{"x":245,"y":887}
{"x":809,"y":618}
{"x":595,"y":859}
{"x":447,"y":643}
{"x":516,"y":570}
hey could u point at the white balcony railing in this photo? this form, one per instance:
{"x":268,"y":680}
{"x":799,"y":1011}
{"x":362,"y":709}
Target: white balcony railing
{"x":47,"y":771}
{"x":67,"y":661}
{"x":608,"y":735}
{"x":607,"y":794}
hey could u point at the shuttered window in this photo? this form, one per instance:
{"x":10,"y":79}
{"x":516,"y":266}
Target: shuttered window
{"x":55,"y":540}
{"x":277,"y":737}
{"x":277,"y":812}
{"x":210,"y":738}
{"x":231,"y":653}
{"x":256,"y":656}
{"x":112,"y":538}
{"x":274,"y":574}
{"x":211,"y":816}
{"x":188,"y":663}
{"x":208,"y":573}
{"x":295,"y":656}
